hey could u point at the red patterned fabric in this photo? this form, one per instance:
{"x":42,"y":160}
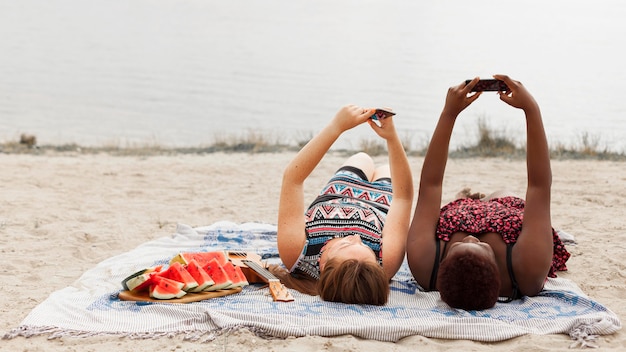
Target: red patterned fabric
{"x":499,"y":215}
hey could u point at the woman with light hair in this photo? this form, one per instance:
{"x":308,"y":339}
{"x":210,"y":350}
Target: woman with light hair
{"x":350,"y":241}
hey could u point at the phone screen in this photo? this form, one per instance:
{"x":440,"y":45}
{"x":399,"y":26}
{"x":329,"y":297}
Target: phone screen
{"x":382,"y":114}
{"x":493,"y":85}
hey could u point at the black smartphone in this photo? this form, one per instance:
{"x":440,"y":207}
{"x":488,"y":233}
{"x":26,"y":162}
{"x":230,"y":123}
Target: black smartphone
{"x":486,"y":85}
{"x":382,"y":114}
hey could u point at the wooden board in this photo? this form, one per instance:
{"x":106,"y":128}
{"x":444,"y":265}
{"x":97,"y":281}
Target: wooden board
{"x":144,"y":296}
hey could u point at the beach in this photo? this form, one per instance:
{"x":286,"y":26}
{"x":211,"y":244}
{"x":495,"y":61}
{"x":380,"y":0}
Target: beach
{"x":63,"y":213}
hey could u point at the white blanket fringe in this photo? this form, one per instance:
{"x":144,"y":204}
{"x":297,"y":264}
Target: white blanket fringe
{"x":583,"y":335}
{"x":53,"y":333}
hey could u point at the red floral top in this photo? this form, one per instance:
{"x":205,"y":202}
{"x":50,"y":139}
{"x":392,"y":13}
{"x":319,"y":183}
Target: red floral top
{"x":499,"y":215}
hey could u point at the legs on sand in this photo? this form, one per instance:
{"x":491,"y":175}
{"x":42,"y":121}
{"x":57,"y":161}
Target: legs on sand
{"x":467,"y":193}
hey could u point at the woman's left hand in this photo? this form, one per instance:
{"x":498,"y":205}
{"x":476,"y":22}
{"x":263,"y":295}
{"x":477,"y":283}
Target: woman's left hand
{"x":384,"y":128}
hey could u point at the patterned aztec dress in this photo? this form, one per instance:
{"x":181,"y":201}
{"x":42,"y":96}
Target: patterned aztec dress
{"x":500,"y":215}
{"x":348,"y":205}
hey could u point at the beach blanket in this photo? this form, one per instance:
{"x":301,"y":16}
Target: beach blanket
{"x":91,"y":305}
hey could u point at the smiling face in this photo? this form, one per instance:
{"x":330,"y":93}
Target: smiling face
{"x":349,"y":247}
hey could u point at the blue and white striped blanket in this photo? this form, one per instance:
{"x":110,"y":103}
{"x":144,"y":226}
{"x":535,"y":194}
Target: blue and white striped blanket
{"x":91,"y":306}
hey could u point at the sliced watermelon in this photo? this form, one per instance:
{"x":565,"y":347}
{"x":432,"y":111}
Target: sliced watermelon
{"x":202,"y":278}
{"x":177,"y":272}
{"x":240,"y":274}
{"x":235,"y":275}
{"x":203,"y":258}
{"x":140,"y":280}
{"x":217,"y":273}
{"x":165,"y":288}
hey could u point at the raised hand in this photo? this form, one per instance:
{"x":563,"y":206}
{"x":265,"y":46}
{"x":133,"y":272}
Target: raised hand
{"x":459,"y":97}
{"x":350,"y":116}
{"x":517,"y":96}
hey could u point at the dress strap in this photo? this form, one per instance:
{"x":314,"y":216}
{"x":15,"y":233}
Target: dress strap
{"x":433,"y":274}
{"x":509,"y":265}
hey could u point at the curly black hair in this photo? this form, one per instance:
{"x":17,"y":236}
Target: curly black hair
{"x":468,"y":281}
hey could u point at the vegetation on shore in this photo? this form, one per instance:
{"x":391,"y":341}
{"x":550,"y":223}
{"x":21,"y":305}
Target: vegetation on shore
{"x":490,"y":143}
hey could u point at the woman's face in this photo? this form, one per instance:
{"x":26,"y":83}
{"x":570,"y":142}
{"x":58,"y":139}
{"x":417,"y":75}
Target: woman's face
{"x":471,"y":243}
{"x":349,"y":247}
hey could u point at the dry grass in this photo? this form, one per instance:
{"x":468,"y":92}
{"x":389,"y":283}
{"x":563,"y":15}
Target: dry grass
{"x":490,"y":143}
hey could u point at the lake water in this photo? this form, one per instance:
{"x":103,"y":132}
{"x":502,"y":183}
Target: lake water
{"x":185,"y":72}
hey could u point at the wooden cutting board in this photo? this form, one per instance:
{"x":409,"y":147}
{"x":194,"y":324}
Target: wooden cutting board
{"x":144,"y":296}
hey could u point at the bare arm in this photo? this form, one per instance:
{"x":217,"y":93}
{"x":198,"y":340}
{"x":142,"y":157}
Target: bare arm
{"x":421,"y":237}
{"x":532,"y":254}
{"x":290,"y":233}
{"x":399,"y":215}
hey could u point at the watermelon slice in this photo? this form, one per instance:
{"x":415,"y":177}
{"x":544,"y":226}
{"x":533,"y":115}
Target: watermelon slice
{"x":202,"y":278}
{"x":177,"y":272}
{"x":240,"y":274}
{"x":165,"y":288}
{"x":235,"y":275}
{"x":217,"y":273}
{"x":140,"y":280}
{"x":202,"y":258}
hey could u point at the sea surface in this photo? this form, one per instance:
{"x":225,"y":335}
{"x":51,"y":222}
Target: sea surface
{"x":190,"y":72}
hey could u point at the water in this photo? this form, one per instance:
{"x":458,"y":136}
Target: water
{"x":185,"y":72}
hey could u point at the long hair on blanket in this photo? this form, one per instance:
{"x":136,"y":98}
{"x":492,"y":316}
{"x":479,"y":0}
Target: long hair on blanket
{"x":468,"y":281}
{"x":304,"y":284}
{"x":348,"y":281}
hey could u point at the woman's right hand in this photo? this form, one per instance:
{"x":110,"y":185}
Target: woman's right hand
{"x":350,"y":116}
{"x":459,"y":97}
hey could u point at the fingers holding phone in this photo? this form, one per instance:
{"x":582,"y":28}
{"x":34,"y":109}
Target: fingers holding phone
{"x":350,"y":116}
{"x":517,"y":96}
{"x":382,"y":122}
{"x":460,"y":96}
{"x":380,"y":115}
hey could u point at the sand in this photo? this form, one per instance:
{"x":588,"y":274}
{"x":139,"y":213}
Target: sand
{"x":64,"y":213}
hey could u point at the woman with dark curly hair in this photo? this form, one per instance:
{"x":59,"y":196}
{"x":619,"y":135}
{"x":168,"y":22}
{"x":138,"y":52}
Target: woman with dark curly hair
{"x":479,"y":248}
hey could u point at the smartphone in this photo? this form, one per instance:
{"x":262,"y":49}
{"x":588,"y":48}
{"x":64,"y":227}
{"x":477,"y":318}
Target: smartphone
{"x":493,"y":85}
{"x":382,"y":114}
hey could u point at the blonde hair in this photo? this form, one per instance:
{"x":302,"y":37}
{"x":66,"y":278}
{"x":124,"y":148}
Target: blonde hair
{"x":349,"y":281}
{"x":353,"y":281}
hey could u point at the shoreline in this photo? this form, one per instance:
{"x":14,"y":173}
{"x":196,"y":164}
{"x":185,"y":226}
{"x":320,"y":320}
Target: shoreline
{"x":505,"y":150}
{"x":491,"y":142}
{"x":63,"y":215}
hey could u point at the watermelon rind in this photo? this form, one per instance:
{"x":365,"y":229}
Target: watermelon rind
{"x":244,"y":280}
{"x":203,"y":279}
{"x":202,"y":258}
{"x":235,"y":275}
{"x":165,"y":288}
{"x":219,"y":276}
{"x":133,"y":281}
{"x":177,"y":272}
{"x":131,"y":277}
{"x":138,"y":283}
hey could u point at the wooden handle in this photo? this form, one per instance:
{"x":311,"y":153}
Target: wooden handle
{"x":255,"y":271}
{"x":280,"y":292}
